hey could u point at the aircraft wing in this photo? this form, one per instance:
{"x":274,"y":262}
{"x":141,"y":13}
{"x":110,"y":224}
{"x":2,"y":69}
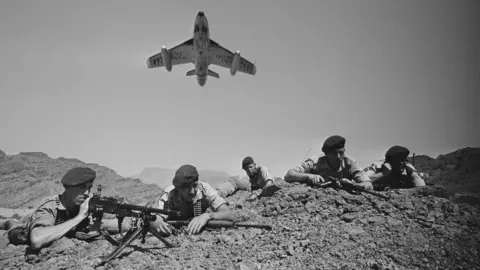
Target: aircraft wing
{"x":223,"y":57}
{"x":180,"y":54}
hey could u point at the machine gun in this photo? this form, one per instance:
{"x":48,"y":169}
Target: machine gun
{"x":143,"y":215}
{"x":218,"y":224}
{"x":349,"y":186}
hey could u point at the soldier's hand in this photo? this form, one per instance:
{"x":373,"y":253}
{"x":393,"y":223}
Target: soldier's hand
{"x":365,"y":185}
{"x":338,"y":184}
{"x":252,"y":197}
{"x":386,"y":169}
{"x":268,"y":184}
{"x":83,"y":212}
{"x":316,"y":179}
{"x":197,"y":223}
{"x":161,"y":226}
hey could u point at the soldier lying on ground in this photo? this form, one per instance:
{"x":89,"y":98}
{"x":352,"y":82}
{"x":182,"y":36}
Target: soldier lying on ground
{"x":259,"y":179}
{"x":192,"y":198}
{"x":395,"y":171}
{"x":63,"y":215}
{"x":334,"y":163}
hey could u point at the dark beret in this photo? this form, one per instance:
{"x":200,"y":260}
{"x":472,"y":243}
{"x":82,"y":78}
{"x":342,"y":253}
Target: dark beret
{"x":185,"y":175}
{"x":332,"y":143}
{"x":247,"y":161}
{"x":78,"y":176}
{"x":397,"y":151}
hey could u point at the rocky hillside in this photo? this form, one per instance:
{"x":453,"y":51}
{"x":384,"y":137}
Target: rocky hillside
{"x":28,"y":178}
{"x":458,"y":171}
{"x":163,"y":177}
{"x":312,"y":229}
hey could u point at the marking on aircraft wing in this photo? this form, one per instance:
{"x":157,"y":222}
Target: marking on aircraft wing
{"x":178,"y":56}
{"x":224,"y":58}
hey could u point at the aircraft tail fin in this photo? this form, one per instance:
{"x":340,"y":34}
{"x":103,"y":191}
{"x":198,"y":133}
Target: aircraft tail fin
{"x":213,"y":74}
{"x":191,"y":72}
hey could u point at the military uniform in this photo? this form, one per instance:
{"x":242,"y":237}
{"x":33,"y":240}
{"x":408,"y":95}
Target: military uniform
{"x":205,"y":197}
{"x":50,"y":213}
{"x":409,"y":177}
{"x":349,"y":169}
{"x":258,"y":181}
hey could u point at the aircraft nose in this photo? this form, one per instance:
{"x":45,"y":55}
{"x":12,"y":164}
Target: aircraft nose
{"x":200,"y":14}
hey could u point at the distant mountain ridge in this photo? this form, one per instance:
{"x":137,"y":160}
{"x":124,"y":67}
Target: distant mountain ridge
{"x":457,"y":171}
{"x":163,"y":176}
{"x":27,"y":178}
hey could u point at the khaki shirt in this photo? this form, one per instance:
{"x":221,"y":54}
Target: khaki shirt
{"x":50,"y":213}
{"x":206,"y":195}
{"x":349,"y":169}
{"x":408,"y":178}
{"x":260,"y":179}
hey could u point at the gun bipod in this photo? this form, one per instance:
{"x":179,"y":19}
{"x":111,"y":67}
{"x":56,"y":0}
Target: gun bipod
{"x":132,"y":234}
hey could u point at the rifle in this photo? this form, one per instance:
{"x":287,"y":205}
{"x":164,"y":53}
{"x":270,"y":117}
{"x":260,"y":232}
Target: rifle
{"x":350,"y":186}
{"x":218,"y":224}
{"x":99,"y":205}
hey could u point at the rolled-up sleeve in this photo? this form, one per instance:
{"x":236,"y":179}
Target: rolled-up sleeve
{"x":307,"y":166}
{"x":213,"y":198}
{"x":42,"y":217}
{"x":265,"y":175}
{"x":416,"y":179}
{"x":357,"y":172}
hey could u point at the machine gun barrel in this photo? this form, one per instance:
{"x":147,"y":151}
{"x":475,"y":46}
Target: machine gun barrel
{"x":113,"y":206}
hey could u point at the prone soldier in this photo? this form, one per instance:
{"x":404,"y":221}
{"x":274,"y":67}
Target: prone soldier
{"x":334,"y":164}
{"x":394,"y":171}
{"x":259,"y":178}
{"x":66,"y":214}
{"x":191,"y":198}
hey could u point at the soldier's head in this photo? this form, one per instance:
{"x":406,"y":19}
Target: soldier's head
{"x":396,"y":156}
{"x":77,"y":183}
{"x":334,"y":148}
{"x":250,"y":167}
{"x":186,"y":182}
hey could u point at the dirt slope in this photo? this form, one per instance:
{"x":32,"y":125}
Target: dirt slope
{"x":312,"y":229}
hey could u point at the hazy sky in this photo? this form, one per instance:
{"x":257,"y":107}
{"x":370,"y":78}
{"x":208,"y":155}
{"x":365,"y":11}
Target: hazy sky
{"x":74,"y":82}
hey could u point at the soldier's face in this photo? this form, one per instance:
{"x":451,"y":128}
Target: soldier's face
{"x":76,"y":195}
{"x":336,"y":155}
{"x":251,"y":169}
{"x":188,"y":193}
{"x":398,"y":164}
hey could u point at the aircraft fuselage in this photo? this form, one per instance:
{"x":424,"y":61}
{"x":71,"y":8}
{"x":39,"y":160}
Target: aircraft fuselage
{"x":201,"y":43}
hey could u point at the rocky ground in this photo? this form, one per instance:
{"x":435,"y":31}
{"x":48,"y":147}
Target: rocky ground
{"x":312,"y":229}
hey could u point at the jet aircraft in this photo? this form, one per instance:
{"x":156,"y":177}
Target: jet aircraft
{"x":201,"y":51}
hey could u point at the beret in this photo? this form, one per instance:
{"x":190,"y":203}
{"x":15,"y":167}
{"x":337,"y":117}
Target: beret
{"x":185,"y":175}
{"x":397,"y":151}
{"x":247,"y":161}
{"x":333,"y":142}
{"x":78,"y":176}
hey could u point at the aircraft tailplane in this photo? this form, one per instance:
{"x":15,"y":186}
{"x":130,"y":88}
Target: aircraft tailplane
{"x":191,"y":72}
{"x":213,"y":74}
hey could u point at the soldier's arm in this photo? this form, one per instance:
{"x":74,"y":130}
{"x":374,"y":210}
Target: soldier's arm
{"x":417,"y":180}
{"x":266,"y":176}
{"x":222,"y":213}
{"x":42,"y":236}
{"x":45,"y":233}
{"x":302,"y":173}
{"x":218,"y":205}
